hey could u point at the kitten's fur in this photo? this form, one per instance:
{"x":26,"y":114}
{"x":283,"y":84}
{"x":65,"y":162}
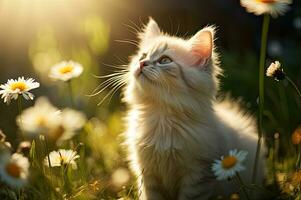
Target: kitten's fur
{"x":176,"y":128}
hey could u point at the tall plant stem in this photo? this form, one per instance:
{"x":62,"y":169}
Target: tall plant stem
{"x":71,"y":93}
{"x":19,"y":194}
{"x":48,"y":159}
{"x":19,"y":105}
{"x":242,"y":186}
{"x":20,"y":110}
{"x":264,"y":37}
{"x":294,"y":85}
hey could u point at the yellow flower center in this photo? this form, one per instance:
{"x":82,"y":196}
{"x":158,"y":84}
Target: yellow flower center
{"x":18,"y":85}
{"x":13,"y":170}
{"x":228,"y":162}
{"x":64,"y":160}
{"x":41,"y":121}
{"x":66,"y":69}
{"x":266,"y":1}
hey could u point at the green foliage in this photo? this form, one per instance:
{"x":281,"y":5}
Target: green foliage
{"x":99,"y":143}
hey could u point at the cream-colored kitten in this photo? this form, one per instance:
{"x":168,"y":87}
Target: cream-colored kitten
{"x":176,"y":128}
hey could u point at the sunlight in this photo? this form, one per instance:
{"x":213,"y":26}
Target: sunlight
{"x":146,"y":99}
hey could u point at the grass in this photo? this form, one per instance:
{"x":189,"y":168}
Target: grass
{"x":102,"y":157}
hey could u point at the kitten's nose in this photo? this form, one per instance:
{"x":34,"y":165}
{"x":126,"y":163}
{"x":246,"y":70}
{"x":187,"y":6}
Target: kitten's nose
{"x":143,"y":64}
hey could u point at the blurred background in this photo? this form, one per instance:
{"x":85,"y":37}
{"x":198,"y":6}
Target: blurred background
{"x":36,"y":34}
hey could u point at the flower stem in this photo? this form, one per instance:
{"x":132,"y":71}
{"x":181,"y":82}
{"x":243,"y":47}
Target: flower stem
{"x":48,"y":159}
{"x":19,"y":194}
{"x":71,"y":93}
{"x":63,"y":175}
{"x":65,"y":178}
{"x":264,"y":37}
{"x":19,"y":104}
{"x":294,"y":85}
{"x":242,"y":186}
{"x":20,"y":110}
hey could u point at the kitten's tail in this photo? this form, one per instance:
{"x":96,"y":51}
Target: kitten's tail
{"x":232,"y":111}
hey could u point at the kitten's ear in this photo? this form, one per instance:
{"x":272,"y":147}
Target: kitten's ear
{"x":150,"y":31}
{"x":201,"y":45}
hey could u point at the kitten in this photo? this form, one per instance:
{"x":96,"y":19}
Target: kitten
{"x":176,"y":127}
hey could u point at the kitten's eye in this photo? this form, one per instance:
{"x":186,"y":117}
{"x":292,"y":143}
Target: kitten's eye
{"x":164,"y":60}
{"x":143,"y":56}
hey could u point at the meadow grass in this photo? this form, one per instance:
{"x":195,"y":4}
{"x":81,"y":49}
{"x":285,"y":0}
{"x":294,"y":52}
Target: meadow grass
{"x":73,"y":154}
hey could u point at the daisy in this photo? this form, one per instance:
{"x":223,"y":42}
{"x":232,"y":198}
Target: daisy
{"x":21,"y":86}
{"x":14,"y":169}
{"x":66,"y":70}
{"x":62,"y":157}
{"x":275,"y":71}
{"x":40,"y":118}
{"x":71,"y":121}
{"x":272,"y":7}
{"x":229,"y":165}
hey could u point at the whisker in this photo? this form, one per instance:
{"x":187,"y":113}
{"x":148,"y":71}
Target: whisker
{"x":153,"y":73}
{"x":97,"y":88}
{"x":111,"y":92}
{"x":134,"y":41}
{"x":109,"y":75}
{"x":104,"y":85}
{"x":185,"y":34}
{"x":105,"y":97}
{"x":116,"y":89}
{"x":132,"y":29}
{"x":102,"y":89}
{"x":136,"y":26}
{"x":128,"y":42}
{"x":178,"y":28}
{"x":108,"y":81}
{"x":141,"y":22}
{"x":170,"y":72}
{"x":125,"y":61}
{"x":115,"y":66}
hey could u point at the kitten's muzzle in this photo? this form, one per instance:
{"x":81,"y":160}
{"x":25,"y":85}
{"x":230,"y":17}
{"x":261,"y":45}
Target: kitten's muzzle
{"x":143,"y":64}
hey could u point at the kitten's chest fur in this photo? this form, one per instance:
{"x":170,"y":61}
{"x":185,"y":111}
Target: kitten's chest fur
{"x":165,"y":133}
{"x":169,"y":144}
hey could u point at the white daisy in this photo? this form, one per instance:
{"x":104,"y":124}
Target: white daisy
{"x":272,"y":7}
{"x":14,"y":169}
{"x":227,"y":166}
{"x":71,"y":121}
{"x":40,"y":118}
{"x":62,"y":157}
{"x":21,"y":86}
{"x":275,"y":71}
{"x":66,"y":70}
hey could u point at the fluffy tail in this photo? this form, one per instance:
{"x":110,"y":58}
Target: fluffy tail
{"x":231,"y":111}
